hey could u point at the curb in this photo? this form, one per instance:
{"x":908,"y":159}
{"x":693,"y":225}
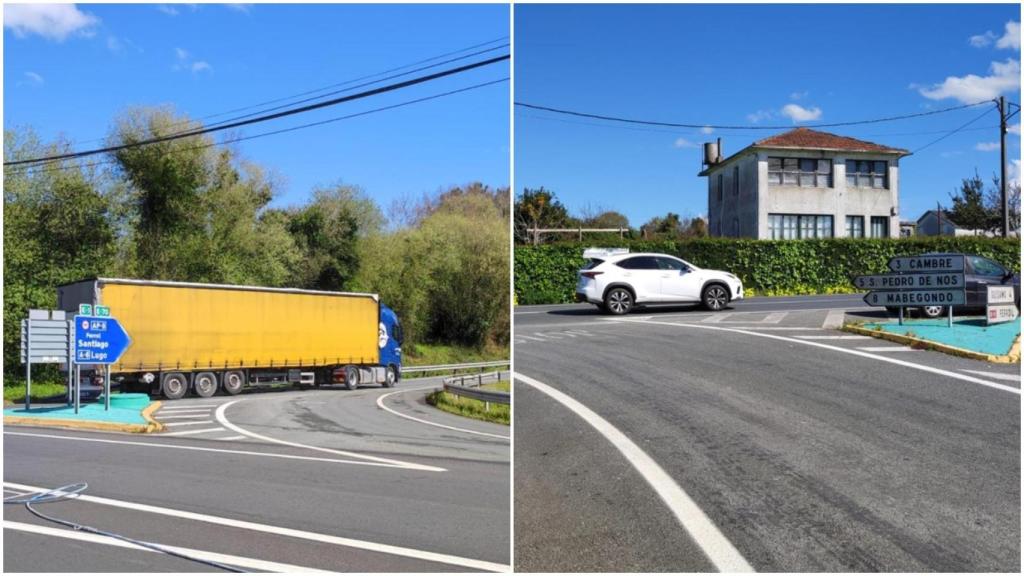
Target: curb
{"x":147,"y":413}
{"x":1011,"y":357}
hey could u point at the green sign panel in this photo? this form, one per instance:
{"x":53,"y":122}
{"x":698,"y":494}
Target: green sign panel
{"x":102,"y":310}
{"x":85,"y":309}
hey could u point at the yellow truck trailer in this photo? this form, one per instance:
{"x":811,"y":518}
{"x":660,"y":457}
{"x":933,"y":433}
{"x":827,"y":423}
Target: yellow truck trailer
{"x":208,"y":337}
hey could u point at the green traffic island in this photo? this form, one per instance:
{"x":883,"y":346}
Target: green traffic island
{"x":127,"y":413}
{"x":969,"y":337}
{"x":472,"y":408}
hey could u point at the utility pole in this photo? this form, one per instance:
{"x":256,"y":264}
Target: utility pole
{"x":1002,"y":166}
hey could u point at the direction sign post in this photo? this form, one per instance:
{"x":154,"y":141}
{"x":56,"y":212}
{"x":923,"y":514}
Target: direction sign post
{"x":100,"y":340}
{"x":926,"y":280}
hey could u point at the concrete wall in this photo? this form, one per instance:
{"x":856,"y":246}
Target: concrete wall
{"x":757,"y":199}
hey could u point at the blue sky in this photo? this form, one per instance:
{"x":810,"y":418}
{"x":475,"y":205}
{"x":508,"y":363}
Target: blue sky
{"x":753,"y":65}
{"x":72,"y":69}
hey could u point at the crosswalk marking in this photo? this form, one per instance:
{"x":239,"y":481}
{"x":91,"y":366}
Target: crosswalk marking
{"x":995,"y":375}
{"x":716,"y":319}
{"x":834,"y":319}
{"x":887,"y":349}
{"x":807,"y":337}
{"x":189,"y":432}
{"x":176,"y":424}
{"x":190,"y":417}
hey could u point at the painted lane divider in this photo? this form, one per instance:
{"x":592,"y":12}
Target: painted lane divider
{"x":719,"y":551}
{"x":898,"y":362}
{"x":239,"y":561}
{"x":381,"y":405}
{"x":382,"y":461}
{"x":482,"y":565}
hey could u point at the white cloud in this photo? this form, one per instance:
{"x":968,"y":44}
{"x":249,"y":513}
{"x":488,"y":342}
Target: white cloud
{"x":51,"y":21}
{"x":798,"y":113}
{"x":167,"y":9}
{"x":1003,"y":77}
{"x":243,"y":8}
{"x":986,"y":146}
{"x":1014,"y":129}
{"x":181,"y":53}
{"x":798,"y":95}
{"x":982,"y":40}
{"x":1011,"y":38}
{"x":201,"y":66}
{"x":113,"y":44}
{"x":684,"y":143}
{"x":186,"y":62}
{"x":32,"y":79}
{"x":760,"y":116}
{"x":707,"y":130}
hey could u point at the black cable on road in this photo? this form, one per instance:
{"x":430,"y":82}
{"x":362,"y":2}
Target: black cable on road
{"x":738,"y":127}
{"x":37,"y":168}
{"x":265,"y":118}
{"x":66,"y":492}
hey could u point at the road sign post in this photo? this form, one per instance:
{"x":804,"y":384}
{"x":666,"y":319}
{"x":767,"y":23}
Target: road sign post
{"x":100,"y":340}
{"x":926,"y":280}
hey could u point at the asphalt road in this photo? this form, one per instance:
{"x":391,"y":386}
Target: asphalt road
{"x":319,"y":479}
{"x":804,"y":448}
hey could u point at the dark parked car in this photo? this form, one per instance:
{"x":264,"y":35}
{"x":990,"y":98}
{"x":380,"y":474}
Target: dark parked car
{"x":979,"y":274}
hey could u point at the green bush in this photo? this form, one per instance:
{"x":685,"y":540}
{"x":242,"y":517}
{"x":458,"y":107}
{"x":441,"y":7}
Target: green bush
{"x":546,"y":274}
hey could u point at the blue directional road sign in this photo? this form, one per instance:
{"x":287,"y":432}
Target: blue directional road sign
{"x":99,"y":340}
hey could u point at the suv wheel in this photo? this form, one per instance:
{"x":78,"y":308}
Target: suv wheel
{"x":715,"y":297}
{"x":618,"y":301}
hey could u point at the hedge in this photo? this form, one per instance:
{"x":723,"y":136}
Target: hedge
{"x":546,"y":274}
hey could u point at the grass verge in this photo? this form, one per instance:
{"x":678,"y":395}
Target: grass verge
{"x":470,"y":408}
{"x":14,"y":392}
{"x":434,"y":354}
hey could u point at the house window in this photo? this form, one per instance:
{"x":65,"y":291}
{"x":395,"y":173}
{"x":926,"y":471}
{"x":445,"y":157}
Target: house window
{"x":794,"y":226}
{"x":855,"y":226}
{"x":809,"y":172}
{"x":736,"y":181}
{"x":879,"y":227}
{"x":867,"y":173}
{"x":721,"y":188}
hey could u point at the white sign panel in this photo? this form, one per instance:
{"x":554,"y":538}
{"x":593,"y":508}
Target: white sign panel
{"x":1000,"y":295}
{"x":997,"y":313}
{"x":910,"y":281}
{"x":926,"y":263}
{"x":916,"y":298}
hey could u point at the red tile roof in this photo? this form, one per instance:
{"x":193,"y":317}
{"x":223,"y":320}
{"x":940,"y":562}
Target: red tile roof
{"x":807,"y":138}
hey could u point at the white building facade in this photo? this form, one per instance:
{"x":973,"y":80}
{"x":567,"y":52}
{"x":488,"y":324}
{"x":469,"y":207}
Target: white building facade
{"x":805,"y":184}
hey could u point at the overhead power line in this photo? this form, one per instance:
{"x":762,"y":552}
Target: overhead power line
{"x":381,"y":76}
{"x":36,"y":168}
{"x":738,"y":127}
{"x":268,"y":117}
{"x":954,"y":131}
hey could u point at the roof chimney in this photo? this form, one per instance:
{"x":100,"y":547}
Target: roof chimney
{"x":712,"y":152}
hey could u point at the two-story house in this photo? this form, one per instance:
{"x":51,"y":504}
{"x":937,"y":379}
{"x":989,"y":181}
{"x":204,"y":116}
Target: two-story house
{"x":804,"y":184}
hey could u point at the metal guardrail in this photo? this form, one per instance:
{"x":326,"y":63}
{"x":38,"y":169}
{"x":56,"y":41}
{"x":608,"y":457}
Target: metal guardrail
{"x":446,"y":367}
{"x":468,"y":386}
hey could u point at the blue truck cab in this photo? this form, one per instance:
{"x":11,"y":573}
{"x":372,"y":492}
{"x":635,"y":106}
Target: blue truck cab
{"x":390,"y":341}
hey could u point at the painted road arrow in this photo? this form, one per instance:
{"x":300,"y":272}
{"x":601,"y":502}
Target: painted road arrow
{"x":917,"y":298}
{"x":99,"y":340}
{"x":926,"y":263}
{"x":910,"y":281}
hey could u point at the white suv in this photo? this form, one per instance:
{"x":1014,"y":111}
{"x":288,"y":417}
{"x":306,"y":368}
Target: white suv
{"x":616,"y":281}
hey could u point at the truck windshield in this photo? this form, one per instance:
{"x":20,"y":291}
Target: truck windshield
{"x":398,"y":332}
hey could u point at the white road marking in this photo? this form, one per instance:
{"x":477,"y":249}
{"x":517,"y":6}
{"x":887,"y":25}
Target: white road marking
{"x":289,"y":532}
{"x":715,"y":319}
{"x":532,"y":338}
{"x":176,"y":424}
{"x":996,"y":375}
{"x":774,"y":317}
{"x":834,"y":337}
{"x":187,"y":406}
{"x":239,"y":561}
{"x":903,"y":363}
{"x":886,"y":349}
{"x":239,"y":437}
{"x":714,"y":544}
{"x":189,"y":432}
{"x":192,"y":417}
{"x":166,"y":412}
{"x":380,"y":404}
{"x":776,"y":328}
{"x":381,"y":461}
{"x":205,"y":449}
{"x":834,"y":319}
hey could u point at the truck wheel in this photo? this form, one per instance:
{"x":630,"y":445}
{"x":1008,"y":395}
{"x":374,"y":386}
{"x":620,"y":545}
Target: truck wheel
{"x":233,"y":381}
{"x":390,"y":377}
{"x":351,"y":377}
{"x":174,"y":386}
{"x":205,"y":384}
